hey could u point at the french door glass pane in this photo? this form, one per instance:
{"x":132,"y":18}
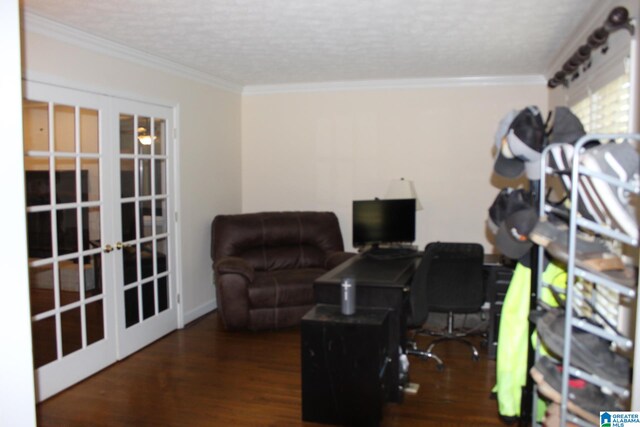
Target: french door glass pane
{"x":35,"y":125}
{"x":127,"y":178}
{"x":161,"y":218}
{"x":39,"y":234}
{"x":148,"y":300}
{"x":131,"y":309}
{"x":93,"y":277}
{"x":89,"y":131}
{"x":65,"y":178}
{"x":95,"y":322}
{"x":146,"y":259}
{"x":43,"y":335}
{"x":67,"y":231}
{"x":161,"y":255}
{"x":145,"y":177}
{"x":126,"y":134}
{"x":69,"y":276}
{"x":90,"y":179}
{"x":71,"y":331}
{"x":41,"y":289}
{"x":65,"y":128}
{"x":161,"y":180}
{"x":144,"y":135}
{"x":130,"y":264}
{"x":163,"y":294}
{"x":145,"y":218}
{"x":128,"y":212}
{"x":91,"y":222}
{"x":159,"y":141}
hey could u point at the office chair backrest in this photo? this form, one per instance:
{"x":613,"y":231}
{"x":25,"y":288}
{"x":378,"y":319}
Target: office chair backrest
{"x":454,"y":278}
{"x":418,"y":311}
{"x":449,"y":278}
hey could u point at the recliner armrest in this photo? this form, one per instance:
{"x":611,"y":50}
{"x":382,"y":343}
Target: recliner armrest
{"x":334,"y":259}
{"x":234,"y":265}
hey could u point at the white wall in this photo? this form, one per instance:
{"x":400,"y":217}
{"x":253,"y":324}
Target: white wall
{"x":17,"y":396}
{"x":209,"y":126}
{"x":321,"y":150}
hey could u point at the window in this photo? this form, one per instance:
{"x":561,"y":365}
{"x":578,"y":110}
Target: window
{"x":607,"y":109}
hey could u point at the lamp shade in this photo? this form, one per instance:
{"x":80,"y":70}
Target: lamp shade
{"x":403,"y":189}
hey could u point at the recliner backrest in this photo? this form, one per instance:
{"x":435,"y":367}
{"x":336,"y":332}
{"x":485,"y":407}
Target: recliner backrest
{"x":277,"y":240}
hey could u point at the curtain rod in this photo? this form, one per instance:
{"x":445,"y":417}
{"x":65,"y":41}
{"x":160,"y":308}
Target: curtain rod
{"x":618,"y":19}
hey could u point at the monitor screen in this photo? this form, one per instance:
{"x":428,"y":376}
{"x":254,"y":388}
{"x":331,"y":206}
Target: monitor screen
{"x":384,"y":221}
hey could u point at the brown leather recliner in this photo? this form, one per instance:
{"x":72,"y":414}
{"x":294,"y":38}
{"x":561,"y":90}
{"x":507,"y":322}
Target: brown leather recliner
{"x":265,"y":264}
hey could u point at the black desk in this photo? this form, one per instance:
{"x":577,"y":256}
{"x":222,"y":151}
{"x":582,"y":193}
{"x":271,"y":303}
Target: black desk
{"x":381,"y":284}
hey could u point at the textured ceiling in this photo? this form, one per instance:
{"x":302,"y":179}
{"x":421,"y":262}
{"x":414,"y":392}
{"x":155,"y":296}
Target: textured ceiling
{"x":258,"y":42}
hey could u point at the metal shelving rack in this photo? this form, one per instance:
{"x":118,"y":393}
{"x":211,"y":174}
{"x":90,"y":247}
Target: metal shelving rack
{"x":574,"y":272}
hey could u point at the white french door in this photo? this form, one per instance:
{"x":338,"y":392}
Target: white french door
{"x":98,"y":181}
{"x":145,"y":294}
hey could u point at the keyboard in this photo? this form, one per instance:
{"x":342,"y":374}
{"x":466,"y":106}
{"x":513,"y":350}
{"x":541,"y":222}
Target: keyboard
{"x":391,"y":253}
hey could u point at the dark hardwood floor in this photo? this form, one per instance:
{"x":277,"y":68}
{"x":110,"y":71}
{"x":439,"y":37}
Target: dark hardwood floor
{"x":205,"y":376}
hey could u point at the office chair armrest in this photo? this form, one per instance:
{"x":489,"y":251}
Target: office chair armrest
{"x":234,"y":265}
{"x":334,"y":259}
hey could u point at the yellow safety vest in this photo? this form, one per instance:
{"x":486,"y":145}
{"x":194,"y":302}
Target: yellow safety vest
{"x":511,"y":356}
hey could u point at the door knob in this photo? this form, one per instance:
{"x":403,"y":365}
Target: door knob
{"x":108,"y":248}
{"x":120,"y":245}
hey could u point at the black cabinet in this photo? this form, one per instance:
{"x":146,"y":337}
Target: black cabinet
{"x":345,"y":365}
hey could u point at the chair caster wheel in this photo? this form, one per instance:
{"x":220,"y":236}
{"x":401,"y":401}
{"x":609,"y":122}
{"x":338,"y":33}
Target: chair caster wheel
{"x":440,"y":367}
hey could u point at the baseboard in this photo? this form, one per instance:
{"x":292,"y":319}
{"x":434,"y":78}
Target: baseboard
{"x":200,"y":311}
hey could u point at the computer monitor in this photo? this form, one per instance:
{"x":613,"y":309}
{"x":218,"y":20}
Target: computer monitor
{"x":378,"y":222}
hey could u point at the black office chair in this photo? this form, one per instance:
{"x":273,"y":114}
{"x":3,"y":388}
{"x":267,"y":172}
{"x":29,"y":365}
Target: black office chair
{"x":448,"y":280}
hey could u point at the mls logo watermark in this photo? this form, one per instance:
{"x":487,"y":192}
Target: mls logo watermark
{"x":619,"y":419}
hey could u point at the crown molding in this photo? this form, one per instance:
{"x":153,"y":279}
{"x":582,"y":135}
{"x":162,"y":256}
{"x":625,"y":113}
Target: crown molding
{"x":35,"y":23}
{"x":359,"y":85}
{"x":593,"y":20}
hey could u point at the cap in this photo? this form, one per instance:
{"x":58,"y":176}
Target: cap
{"x":506,"y":202}
{"x":512,"y":239}
{"x":566,"y":126}
{"x":525,"y":137}
{"x":506,"y":165}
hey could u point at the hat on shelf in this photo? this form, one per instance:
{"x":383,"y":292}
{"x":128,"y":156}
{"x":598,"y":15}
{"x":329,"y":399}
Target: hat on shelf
{"x":526,"y":138}
{"x":505,"y":164}
{"x":566,"y":126}
{"x":511,"y":218}
{"x":513,"y":235}
{"x":506,"y":202}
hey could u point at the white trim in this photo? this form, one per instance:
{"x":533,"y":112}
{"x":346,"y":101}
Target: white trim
{"x":62,"y":82}
{"x":41,"y":25}
{"x":200,"y":311}
{"x":177,"y":207}
{"x":396,"y":84}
